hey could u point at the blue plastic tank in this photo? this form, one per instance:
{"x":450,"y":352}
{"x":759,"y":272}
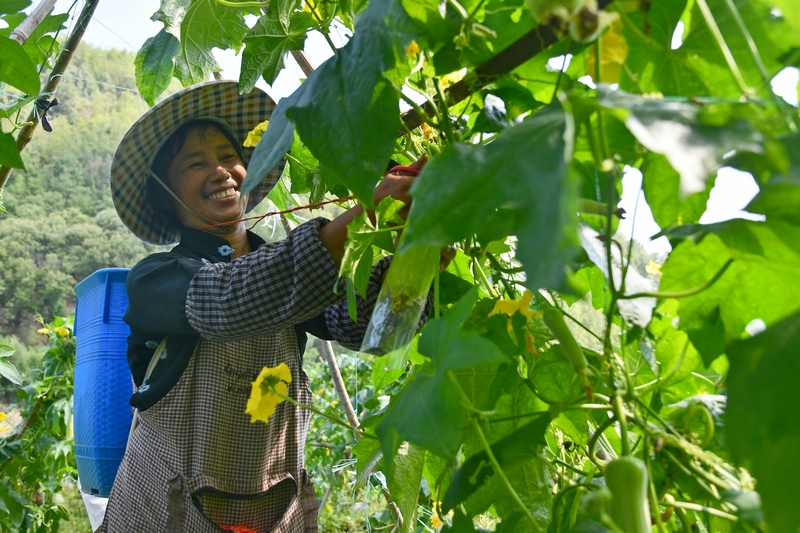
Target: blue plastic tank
{"x":103,"y":385}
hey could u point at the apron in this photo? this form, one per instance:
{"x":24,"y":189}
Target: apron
{"x":195,"y":462}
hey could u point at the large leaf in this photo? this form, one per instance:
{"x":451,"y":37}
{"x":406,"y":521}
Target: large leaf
{"x":763,"y":422}
{"x":205,"y":25}
{"x":773,"y":35}
{"x":17,"y":69}
{"x":9,"y":155}
{"x":778,"y":202}
{"x":523,"y":169}
{"x":349,"y":95}
{"x":517,"y":447}
{"x":171,"y":13}
{"x":404,"y":485}
{"x":661,"y":185}
{"x":8,"y":370}
{"x":428,"y":413}
{"x":155,"y":63}
{"x":762,"y":282}
{"x":267,"y":43}
{"x":694,"y":139}
{"x":652,"y":65}
{"x":39,"y":43}
{"x":12,"y":6}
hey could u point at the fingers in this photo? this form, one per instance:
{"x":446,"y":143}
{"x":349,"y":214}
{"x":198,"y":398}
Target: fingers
{"x":419,"y":163}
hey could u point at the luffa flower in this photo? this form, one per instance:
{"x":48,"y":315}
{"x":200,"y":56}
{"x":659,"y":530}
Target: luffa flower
{"x":268,"y":390}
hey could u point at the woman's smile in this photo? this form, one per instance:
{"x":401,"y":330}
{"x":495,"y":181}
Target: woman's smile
{"x":206,"y":175}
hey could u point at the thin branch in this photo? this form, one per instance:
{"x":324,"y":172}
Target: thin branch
{"x":680,"y":294}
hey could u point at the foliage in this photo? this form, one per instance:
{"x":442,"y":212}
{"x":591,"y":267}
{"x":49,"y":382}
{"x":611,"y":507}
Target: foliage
{"x":37,"y":455}
{"x":488,"y":415}
{"x":489,"y":411}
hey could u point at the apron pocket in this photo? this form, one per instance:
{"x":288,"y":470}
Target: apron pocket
{"x":260,"y":512}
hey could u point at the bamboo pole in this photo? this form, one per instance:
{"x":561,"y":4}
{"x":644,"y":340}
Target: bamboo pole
{"x":338,"y":384}
{"x":29,"y":25}
{"x":64,"y":58}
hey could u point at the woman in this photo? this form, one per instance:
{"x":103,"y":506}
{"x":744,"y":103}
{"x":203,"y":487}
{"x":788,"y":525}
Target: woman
{"x":223,"y":304}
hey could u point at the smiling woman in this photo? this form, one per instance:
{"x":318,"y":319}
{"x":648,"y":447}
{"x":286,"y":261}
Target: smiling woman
{"x":208,"y":315}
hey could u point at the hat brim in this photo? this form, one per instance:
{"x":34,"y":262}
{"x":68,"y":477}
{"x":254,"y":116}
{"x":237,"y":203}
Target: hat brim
{"x":135,"y":154}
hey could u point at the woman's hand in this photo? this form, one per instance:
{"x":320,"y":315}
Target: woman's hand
{"x":397,"y":184}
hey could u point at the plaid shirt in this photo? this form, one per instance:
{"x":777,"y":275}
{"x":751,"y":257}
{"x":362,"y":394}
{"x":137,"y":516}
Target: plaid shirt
{"x":195,"y":461}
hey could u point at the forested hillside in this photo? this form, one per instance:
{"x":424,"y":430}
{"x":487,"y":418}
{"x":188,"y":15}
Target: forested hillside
{"x":61,"y":225}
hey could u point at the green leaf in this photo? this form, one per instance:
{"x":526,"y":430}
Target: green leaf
{"x":39,"y":43}
{"x":206,"y":25}
{"x":347,"y":94}
{"x":155,"y":63}
{"x":267,"y":43}
{"x":404,"y":485}
{"x":773,"y":36}
{"x":362,"y":234}
{"x":677,"y":357}
{"x":778,"y":202}
{"x":283,"y":11}
{"x":9,"y":155}
{"x":428,"y":413}
{"x":691,"y":137}
{"x":763,"y":423}
{"x":10,"y":372}
{"x":17,"y":69}
{"x":459,"y":191}
{"x":763,"y":282}
{"x":13,"y":6}
{"x":554,"y":377}
{"x":517,"y":447}
{"x":171,"y":13}
{"x":652,"y":65}
{"x":661,"y":184}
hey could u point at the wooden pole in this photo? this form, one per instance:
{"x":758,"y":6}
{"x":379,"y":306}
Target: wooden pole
{"x":338,"y":384}
{"x":64,"y":58}
{"x":24,"y":30}
{"x":539,"y":38}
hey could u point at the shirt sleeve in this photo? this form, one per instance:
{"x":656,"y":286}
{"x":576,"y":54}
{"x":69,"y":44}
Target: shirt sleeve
{"x":279,"y":285}
{"x":350,"y":334}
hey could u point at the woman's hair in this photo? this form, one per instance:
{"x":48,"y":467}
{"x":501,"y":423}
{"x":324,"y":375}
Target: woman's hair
{"x":159,"y":199}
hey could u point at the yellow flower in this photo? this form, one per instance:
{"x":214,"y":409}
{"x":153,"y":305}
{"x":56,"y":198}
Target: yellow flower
{"x":412,"y":50}
{"x":268,"y":390}
{"x":653,"y":268}
{"x":254,"y":135}
{"x":454,"y":77}
{"x":334,"y":403}
{"x":43,"y":331}
{"x":4,"y":427}
{"x":428,"y":132}
{"x":61,"y":331}
{"x":509,"y":307}
{"x":3,"y":416}
{"x":436,"y":520}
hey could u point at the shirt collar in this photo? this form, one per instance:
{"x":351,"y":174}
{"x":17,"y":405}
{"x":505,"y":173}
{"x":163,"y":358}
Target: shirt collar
{"x":211,"y":247}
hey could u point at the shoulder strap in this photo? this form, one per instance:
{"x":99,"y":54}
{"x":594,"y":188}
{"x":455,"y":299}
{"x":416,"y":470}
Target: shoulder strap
{"x":145,"y":385}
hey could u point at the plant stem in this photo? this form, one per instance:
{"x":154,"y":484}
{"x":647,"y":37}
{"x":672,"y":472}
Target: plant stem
{"x":228,"y":3}
{"x":596,"y":435}
{"x":382,"y":230}
{"x":498,"y":469}
{"x":482,"y":276}
{"x":496,"y":265}
{"x":464,"y":399}
{"x":312,"y":7}
{"x":334,"y":419}
{"x":576,"y":503}
{"x":726,"y":52}
{"x":445,"y":113}
{"x":680,"y":294}
{"x":619,"y":414}
{"x":702,"y":509}
{"x":436,"y":294}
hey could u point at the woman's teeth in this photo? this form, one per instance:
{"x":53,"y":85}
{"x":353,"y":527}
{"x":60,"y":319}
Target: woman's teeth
{"x":222,"y":194}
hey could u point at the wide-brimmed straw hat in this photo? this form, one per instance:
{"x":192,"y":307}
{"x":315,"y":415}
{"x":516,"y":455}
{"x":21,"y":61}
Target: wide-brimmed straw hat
{"x":217,"y":100}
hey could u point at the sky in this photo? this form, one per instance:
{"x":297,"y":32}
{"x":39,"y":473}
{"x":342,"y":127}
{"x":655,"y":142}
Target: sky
{"x":126,"y":25}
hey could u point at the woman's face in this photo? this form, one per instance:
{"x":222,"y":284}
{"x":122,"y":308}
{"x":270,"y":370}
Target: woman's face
{"x":207,"y":175}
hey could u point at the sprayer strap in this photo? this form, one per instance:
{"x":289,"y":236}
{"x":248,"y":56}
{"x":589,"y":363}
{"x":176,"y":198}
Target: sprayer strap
{"x":153,"y":362}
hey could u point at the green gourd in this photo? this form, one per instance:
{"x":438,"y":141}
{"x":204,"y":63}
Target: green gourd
{"x":554,"y":320}
{"x":626,"y":477}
